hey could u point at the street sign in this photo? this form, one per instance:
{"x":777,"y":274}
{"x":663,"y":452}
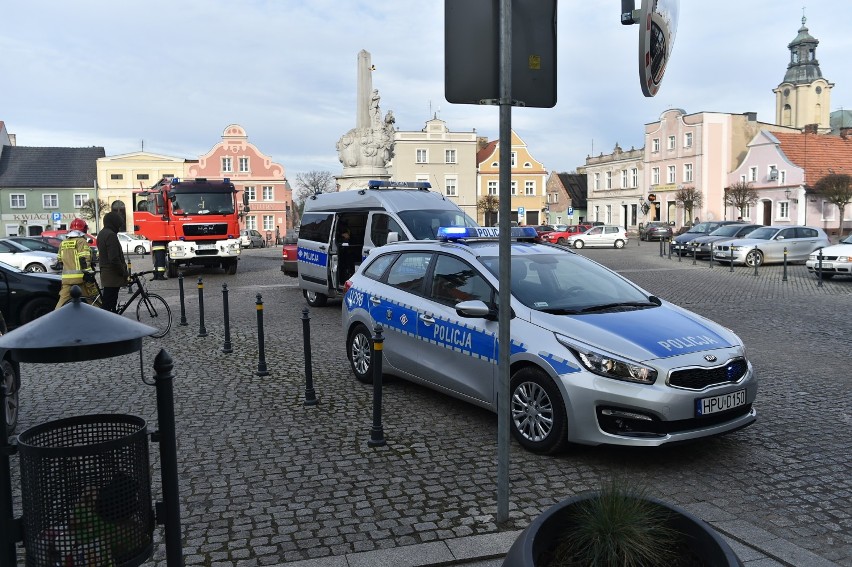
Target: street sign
{"x":570,"y":211}
{"x":520,"y":210}
{"x":56,"y":217}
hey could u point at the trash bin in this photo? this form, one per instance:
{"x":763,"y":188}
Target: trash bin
{"x":86,"y":492}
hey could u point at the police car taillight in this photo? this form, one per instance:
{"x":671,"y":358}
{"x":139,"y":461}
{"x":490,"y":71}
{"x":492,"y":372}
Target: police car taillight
{"x":346,"y":286}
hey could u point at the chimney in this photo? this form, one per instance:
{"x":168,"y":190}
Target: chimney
{"x":751,"y":116}
{"x":811,"y":128}
{"x":844,"y":132}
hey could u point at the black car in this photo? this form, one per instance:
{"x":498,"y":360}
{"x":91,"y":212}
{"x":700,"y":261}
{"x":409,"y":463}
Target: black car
{"x":655,"y":230}
{"x":25,"y":296}
{"x":681,"y":242}
{"x":10,"y":374}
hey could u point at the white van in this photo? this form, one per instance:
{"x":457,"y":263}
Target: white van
{"x":338,"y":230}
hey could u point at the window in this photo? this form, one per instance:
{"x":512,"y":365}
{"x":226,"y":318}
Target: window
{"x":268,"y":222}
{"x":671,"y":174}
{"x":609,"y":215}
{"x":784,"y":210}
{"x":79,"y":199}
{"x":609,"y":180}
{"x":227,"y":166}
{"x":382,"y":226}
{"x":687,"y":172}
{"x":752,"y":174}
{"x":527,"y":165}
{"x":671,"y":142}
{"x":634,"y":182}
{"x":529,"y":188}
{"x":687,"y":140}
{"x":624,"y":184}
{"x":783,"y":177}
{"x":251,"y":194}
{"x":251,"y":222}
{"x":17,"y":201}
{"x":50,"y":201}
{"x":450,"y":187}
{"x":455,"y":281}
{"x":449,"y":156}
{"x":408,"y":272}
{"x":655,"y":176}
{"x":267,"y":193}
{"x":514,"y":158}
{"x":514,"y":187}
{"x":597,"y":184}
{"x":244,"y":165}
{"x":422,"y":156}
{"x":655,"y":145}
{"x":116,"y":176}
{"x":141,"y":176}
{"x":492,"y":187}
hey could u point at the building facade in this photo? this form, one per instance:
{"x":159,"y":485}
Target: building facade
{"x":251,"y":171}
{"x":447,"y":160}
{"x":616,"y":188}
{"x":529,"y":181}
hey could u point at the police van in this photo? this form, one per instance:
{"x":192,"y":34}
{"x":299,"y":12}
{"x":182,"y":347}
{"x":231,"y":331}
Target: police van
{"x":338,"y":230}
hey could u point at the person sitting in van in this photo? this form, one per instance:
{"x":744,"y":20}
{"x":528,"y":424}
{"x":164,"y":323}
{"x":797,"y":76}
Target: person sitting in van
{"x":347,"y":255}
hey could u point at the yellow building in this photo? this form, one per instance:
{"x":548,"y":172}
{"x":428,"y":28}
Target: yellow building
{"x":529,"y":182}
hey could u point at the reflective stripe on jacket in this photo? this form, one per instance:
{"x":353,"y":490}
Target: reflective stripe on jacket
{"x":70,"y":253}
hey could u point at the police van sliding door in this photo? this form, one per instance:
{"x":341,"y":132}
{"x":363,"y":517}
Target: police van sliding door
{"x":314,"y":250}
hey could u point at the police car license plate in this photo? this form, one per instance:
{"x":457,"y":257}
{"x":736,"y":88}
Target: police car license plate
{"x":715,"y":404}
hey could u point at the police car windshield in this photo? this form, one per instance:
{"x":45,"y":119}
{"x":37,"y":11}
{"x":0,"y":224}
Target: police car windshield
{"x":203,"y":204}
{"x":566,"y":284}
{"x":424,"y":224}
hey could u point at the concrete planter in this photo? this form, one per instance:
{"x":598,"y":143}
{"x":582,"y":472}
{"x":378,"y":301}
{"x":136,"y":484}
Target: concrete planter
{"x":543,"y":533}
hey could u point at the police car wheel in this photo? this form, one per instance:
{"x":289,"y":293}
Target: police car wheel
{"x":360,"y":351}
{"x":539,"y":420}
{"x":578,"y":244}
{"x":315,"y":299}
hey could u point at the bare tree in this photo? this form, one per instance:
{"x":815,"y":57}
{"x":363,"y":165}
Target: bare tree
{"x":489,"y":206}
{"x":740,"y":195}
{"x":314,"y":183}
{"x":836,"y":188}
{"x":690,"y":198}
{"x":91,"y":211}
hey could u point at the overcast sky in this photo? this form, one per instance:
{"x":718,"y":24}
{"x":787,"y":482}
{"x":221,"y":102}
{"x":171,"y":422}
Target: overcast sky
{"x":175,"y":73}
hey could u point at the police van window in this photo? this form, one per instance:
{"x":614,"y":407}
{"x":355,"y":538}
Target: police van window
{"x":381,"y":226}
{"x":424,"y":224}
{"x":455,"y":281}
{"x":316,"y":227}
{"x":379,"y":266}
{"x":409,"y":271}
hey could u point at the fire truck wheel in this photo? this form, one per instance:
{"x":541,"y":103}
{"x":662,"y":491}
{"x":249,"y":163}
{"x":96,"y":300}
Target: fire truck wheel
{"x":230,"y":267}
{"x":172,"y":270}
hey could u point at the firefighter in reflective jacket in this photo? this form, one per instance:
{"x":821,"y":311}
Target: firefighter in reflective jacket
{"x":158,"y":251}
{"x":76,"y":258}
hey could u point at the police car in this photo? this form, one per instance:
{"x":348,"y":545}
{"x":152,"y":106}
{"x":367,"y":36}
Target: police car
{"x":594,"y":358}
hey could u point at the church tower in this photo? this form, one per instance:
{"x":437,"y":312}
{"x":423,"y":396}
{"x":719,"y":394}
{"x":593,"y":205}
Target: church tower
{"x":803,"y":97}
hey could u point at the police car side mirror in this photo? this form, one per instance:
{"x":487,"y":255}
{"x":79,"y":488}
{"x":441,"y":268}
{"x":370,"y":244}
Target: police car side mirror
{"x":393,"y":237}
{"x":473,"y":308}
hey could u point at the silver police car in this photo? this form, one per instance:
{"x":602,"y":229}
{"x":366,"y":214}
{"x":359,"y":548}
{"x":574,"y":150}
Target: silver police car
{"x":594,"y":358}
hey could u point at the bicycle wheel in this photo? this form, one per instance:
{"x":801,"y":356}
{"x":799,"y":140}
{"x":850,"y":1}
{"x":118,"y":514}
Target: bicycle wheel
{"x":154,"y":311}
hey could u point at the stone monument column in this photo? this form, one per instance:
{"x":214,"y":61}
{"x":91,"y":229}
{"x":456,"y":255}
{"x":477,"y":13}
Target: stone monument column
{"x":366,"y":150}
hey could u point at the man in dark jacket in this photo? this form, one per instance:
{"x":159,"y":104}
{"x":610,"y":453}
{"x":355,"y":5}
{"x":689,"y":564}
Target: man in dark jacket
{"x":114,"y":271}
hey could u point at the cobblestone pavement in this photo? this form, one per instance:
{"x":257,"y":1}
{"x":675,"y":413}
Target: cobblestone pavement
{"x":265,"y":480}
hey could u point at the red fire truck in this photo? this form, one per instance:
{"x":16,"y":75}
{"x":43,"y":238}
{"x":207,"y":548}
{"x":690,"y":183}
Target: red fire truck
{"x":197,"y":219}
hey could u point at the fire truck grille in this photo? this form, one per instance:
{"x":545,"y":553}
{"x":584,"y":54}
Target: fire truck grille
{"x":207,"y":229}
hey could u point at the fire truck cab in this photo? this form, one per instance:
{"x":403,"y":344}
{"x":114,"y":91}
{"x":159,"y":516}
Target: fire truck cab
{"x":198,"y":219}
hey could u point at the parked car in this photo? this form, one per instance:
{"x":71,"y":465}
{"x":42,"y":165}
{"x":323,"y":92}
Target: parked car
{"x":23,"y":258}
{"x":702,"y":246}
{"x":600,"y":236}
{"x":10,"y":374}
{"x":63,"y":235}
{"x":594,"y":360}
{"x":25,"y":296}
{"x":134,"y":243}
{"x":655,"y":230}
{"x":679,"y":245}
{"x":251,"y":239}
{"x":561,"y":236}
{"x":768,"y":243}
{"x":543,"y":228}
{"x":289,"y":255}
{"x":44,"y":244}
{"x":836,"y":260}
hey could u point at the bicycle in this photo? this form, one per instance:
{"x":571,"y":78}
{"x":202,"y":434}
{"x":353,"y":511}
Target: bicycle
{"x":151,"y":309}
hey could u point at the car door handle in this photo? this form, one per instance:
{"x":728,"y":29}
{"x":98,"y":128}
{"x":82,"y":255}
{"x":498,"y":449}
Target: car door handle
{"x":375,"y":300}
{"x":427,"y":319}
{"x":322,"y":248}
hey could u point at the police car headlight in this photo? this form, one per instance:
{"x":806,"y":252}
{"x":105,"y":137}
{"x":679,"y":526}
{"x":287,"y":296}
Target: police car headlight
{"x":610,"y":366}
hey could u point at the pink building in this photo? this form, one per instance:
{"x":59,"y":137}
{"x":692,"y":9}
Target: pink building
{"x":270,"y":195}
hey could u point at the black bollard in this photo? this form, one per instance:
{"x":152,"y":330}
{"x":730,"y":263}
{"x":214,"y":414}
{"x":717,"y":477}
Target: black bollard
{"x":166,"y":437}
{"x":710,"y":259}
{"x":310,"y":395}
{"x":7,"y":515}
{"x":183,"y":322}
{"x":680,"y":255}
{"x":662,"y":248}
{"x":694,"y":253}
{"x":129,"y":271}
{"x":261,"y":362}
{"x":671,"y":241}
{"x":784,"y":278}
{"x":819,"y":268}
{"x":226,"y":347}
{"x":731,"y":247}
{"x":755,"y":261}
{"x":202,"y":330}
{"x":377,"y":433}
